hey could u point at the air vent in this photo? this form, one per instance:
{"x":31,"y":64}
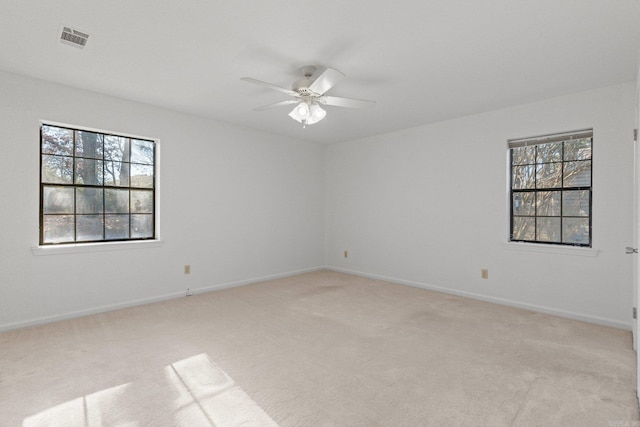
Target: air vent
{"x":73,"y":37}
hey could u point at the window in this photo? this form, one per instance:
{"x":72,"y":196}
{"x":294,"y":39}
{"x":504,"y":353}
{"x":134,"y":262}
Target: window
{"x":95,"y":187}
{"x":551,"y":193}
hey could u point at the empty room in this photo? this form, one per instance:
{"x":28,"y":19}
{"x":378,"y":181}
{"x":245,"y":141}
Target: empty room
{"x":355,"y":213}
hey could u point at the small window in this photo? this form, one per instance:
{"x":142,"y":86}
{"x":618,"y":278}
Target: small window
{"x":551,"y":194}
{"x":95,"y":187}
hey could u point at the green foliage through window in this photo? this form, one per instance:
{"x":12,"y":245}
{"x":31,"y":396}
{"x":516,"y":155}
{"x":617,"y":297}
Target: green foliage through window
{"x":95,"y":186}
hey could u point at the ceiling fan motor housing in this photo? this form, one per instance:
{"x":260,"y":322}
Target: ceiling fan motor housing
{"x":302,"y":86}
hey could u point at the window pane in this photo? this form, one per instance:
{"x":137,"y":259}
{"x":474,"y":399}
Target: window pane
{"x":575,"y":230}
{"x":575,"y":203}
{"x":57,"y":140}
{"x":577,"y":149}
{"x":57,"y":228}
{"x":523,"y":177}
{"x":89,"y":172}
{"x":548,"y":229}
{"x":141,"y":201}
{"x":524,"y":228}
{"x":523,"y":155}
{"x":116,"y":173}
{"x":116,"y":201}
{"x":116,"y":148}
{"x":577,"y":174}
{"x":57,"y":200}
{"x":548,"y":203}
{"x":89,"y":144}
{"x":116,"y":227}
{"x":86,"y":181}
{"x":142,"y":151}
{"x":57,"y":169}
{"x":89,"y":200}
{"x":142,"y":225}
{"x":550,"y":152}
{"x":524,"y":203}
{"x":549,"y":175}
{"x":89,"y":227}
{"x":556,"y":206}
{"x":141,"y":176}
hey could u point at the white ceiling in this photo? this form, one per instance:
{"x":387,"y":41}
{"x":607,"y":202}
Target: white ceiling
{"x":422,"y":61}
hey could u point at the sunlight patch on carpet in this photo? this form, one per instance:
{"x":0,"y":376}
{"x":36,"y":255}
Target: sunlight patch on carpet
{"x":206,"y":387}
{"x":189,"y":392}
{"x":82,"y":412}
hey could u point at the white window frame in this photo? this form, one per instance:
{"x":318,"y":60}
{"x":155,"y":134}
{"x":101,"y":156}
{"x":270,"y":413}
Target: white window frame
{"x":81,"y":247}
{"x":540,"y":247}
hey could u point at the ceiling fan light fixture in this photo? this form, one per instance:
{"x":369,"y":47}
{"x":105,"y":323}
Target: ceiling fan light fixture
{"x":302,"y":109}
{"x":300,"y":112}
{"x":316,"y":113}
{"x":307,"y":113}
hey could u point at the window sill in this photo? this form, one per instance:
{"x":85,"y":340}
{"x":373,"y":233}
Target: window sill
{"x":94,"y":247}
{"x":551,"y":249}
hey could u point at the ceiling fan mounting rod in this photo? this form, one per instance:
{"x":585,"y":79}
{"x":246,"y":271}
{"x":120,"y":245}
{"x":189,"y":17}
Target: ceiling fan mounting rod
{"x":308,"y":71}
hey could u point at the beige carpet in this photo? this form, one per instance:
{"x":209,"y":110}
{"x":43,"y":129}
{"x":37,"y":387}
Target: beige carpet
{"x":319,"y":349}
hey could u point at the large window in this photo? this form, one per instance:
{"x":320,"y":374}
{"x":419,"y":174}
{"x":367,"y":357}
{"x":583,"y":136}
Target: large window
{"x":95,"y":187}
{"x":551,"y":193}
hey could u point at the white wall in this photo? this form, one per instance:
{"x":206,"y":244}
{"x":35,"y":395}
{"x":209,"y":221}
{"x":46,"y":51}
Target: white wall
{"x":427,"y":206}
{"x":236,"y":204}
{"x":636,"y":229}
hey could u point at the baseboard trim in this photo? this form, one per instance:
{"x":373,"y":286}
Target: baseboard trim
{"x":496,"y":300}
{"x":254,"y":280}
{"x":133,"y":303}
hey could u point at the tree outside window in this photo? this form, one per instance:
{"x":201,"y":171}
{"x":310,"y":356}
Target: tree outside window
{"x":95,"y":186}
{"x":551,"y":189}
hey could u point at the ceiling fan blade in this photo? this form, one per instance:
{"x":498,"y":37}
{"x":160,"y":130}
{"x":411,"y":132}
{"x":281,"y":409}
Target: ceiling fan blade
{"x":269,"y":85}
{"x":326,"y":80}
{"x":277,"y":104}
{"x":338,"y":101}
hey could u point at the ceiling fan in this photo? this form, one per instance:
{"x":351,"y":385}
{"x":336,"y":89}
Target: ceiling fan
{"x":310,"y":94}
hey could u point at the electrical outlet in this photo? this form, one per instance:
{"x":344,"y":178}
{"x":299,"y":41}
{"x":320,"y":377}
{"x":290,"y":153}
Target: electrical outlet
{"x":187,"y":269}
{"x":188,"y":293}
{"x":346,"y":254}
{"x":484,"y":273}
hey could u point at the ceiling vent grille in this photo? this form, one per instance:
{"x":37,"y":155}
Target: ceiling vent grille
{"x":73,"y":37}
